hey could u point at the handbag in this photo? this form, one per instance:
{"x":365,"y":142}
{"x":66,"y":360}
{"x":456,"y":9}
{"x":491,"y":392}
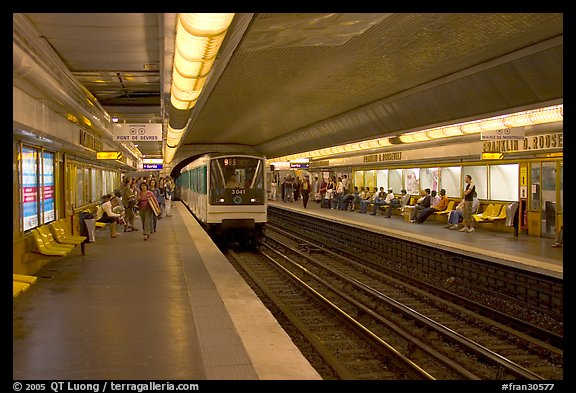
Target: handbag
{"x":154,"y":205}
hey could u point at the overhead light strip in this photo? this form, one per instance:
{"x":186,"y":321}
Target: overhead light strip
{"x":519,"y":119}
{"x":198,"y":39}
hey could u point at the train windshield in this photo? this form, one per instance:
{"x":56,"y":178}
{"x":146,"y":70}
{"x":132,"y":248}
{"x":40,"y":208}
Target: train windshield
{"x":237,"y":173}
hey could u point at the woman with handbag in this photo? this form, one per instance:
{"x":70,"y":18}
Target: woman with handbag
{"x":146,"y":212}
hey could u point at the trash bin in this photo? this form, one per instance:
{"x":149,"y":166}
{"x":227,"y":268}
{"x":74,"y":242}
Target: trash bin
{"x":88,"y":226}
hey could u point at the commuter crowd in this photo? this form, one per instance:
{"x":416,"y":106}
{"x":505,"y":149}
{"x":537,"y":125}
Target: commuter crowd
{"x":148,"y":199}
{"x":336,"y":193}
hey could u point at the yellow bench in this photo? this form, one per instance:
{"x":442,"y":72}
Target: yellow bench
{"x":45,"y":249}
{"x":21,"y":283}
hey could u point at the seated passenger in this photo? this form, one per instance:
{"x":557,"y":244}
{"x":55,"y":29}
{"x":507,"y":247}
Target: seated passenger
{"x":404,"y":199}
{"x":348,"y":199}
{"x":457,"y":215}
{"x":440,"y":205}
{"x":106,"y":215}
{"x":364,"y":204}
{"x":382,"y":202}
{"x":423,"y":203}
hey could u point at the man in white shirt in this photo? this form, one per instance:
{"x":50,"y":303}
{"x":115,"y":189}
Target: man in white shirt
{"x":106,"y":215}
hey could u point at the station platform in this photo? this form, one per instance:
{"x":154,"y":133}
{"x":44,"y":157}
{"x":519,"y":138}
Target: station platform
{"x":170,"y":308}
{"x":523,"y":252}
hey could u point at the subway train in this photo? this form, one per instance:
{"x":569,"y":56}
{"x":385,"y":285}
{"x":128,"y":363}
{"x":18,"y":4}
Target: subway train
{"x":227,"y":195}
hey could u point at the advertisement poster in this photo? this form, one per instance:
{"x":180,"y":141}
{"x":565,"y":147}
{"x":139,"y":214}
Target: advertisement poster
{"x":48,"y":187}
{"x":29,"y":188}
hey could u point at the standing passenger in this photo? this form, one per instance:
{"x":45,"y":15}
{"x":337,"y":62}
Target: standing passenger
{"x":469,"y":194}
{"x":156,"y":193}
{"x":169,"y":194}
{"x":273,"y":186}
{"x":146,"y":212}
{"x":305,"y":190}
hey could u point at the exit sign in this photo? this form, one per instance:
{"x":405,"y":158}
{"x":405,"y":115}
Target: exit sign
{"x":151,"y":166}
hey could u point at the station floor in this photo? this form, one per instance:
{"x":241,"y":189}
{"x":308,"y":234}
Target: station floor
{"x":522,"y":251}
{"x":170,"y":308}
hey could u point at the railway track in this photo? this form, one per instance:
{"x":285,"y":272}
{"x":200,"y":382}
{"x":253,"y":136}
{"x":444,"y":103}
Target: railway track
{"x":365,"y":324}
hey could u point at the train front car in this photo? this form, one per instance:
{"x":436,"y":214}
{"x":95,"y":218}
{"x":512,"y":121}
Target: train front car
{"x":237,"y":203}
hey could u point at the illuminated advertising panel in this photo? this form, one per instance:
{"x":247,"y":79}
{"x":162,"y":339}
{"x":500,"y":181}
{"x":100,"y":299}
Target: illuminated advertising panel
{"x":29,"y":188}
{"x":48,"y":187}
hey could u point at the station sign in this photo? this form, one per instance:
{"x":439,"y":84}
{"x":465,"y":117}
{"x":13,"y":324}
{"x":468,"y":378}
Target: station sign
{"x":503,"y":135}
{"x":108,"y":155}
{"x":124,"y":132}
{"x":299,"y":165}
{"x":151,"y":166}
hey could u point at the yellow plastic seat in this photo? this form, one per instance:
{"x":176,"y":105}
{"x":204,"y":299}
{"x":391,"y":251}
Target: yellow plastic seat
{"x":62,"y":228}
{"x":45,"y":250}
{"x":24,"y":278}
{"x":448,"y":209}
{"x":49,"y":239}
{"x":61,"y":237}
{"x":485,"y":214}
{"x":19,"y":287}
{"x":500,"y":216}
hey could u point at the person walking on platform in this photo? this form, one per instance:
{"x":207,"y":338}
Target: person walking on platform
{"x":469,"y":194}
{"x":305,"y":188}
{"x":146,"y":212}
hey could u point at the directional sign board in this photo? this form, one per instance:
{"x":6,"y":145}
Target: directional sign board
{"x":124,"y":132}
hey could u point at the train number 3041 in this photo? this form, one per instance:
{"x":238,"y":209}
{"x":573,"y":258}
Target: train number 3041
{"x":238,"y":191}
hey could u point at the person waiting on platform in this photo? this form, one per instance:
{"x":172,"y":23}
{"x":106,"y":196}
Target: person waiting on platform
{"x":469,"y":194}
{"x":438,"y":206}
{"x":456,"y":215}
{"x":305,"y":188}
{"x":423,"y":203}
{"x":349,"y":199}
{"x":395,"y":203}
{"x":106,"y":215}
{"x":382,"y":202}
{"x":289,"y":189}
{"x":364,"y":204}
{"x":559,"y":240}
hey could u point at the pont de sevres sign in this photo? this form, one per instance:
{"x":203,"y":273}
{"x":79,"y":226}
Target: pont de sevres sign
{"x":151,"y":132}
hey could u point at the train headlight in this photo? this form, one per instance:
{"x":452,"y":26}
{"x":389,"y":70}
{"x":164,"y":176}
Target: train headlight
{"x":221,"y":200}
{"x":253,"y":200}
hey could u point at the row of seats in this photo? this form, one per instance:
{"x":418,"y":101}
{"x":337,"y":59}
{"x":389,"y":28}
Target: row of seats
{"x":21,"y":283}
{"x":55,"y":240}
{"x":491,"y":214}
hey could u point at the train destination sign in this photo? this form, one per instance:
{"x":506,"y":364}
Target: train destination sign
{"x":124,"y":132}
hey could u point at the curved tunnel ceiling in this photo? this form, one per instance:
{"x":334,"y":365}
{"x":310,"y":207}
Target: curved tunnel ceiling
{"x":286,"y":83}
{"x":300,"y":82}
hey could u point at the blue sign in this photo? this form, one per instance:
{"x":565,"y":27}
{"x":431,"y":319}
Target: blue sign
{"x":151,"y":166}
{"x":298,"y":165}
